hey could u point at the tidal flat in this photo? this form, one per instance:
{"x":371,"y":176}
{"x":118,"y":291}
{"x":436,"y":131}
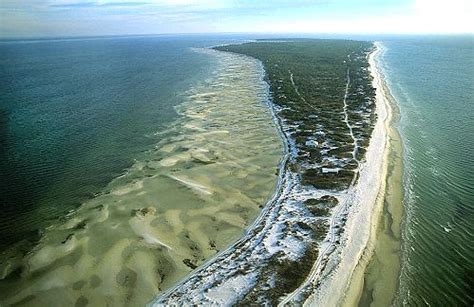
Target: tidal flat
{"x":323,"y":98}
{"x":192,"y":196}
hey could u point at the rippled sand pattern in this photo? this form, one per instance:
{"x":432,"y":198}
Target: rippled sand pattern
{"x":192,"y":196}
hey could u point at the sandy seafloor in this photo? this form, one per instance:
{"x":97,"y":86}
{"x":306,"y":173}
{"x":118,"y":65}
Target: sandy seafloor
{"x":364,"y":269}
{"x":193,"y":195}
{"x":337,"y":275}
{"x":201,"y":186}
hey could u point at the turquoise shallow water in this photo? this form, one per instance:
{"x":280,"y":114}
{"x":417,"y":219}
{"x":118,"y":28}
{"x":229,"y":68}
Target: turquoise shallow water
{"x":184,"y":199}
{"x":76,"y":113}
{"x":432,"y":80}
{"x":68,"y":126}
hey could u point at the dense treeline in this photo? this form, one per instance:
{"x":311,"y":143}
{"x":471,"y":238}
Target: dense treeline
{"x":308,"y":81}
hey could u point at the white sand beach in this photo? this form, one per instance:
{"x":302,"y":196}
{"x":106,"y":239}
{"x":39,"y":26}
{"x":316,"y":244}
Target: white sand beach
{"x":342,"y":279}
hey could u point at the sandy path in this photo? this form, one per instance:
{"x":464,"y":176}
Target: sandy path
{"x":368,"y":196}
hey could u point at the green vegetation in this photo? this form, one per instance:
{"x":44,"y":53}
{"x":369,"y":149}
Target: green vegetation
{"x":321,"y":206}
{"x":286,"y":274}
{"x":323,"y":94}
{"x":308,"y":81}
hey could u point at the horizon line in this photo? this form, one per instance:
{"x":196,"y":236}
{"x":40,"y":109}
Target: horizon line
{"x":79,"y":36}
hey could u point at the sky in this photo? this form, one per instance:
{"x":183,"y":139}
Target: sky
{"x":59,"y":18}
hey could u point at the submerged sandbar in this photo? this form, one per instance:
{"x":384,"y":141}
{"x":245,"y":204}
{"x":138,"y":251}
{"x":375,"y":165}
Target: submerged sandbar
{"x":190,"y":197}
{"x":324,"y":100}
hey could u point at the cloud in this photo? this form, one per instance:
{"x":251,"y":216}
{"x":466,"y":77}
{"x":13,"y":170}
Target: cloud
{"x":101,"y":17}
{"x":209,"y":4}
{"x":74,"y":5}
{"x":251,"y":4}
{"x":97,"y":4}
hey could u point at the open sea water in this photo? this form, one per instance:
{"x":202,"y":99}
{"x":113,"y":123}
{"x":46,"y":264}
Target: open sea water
{"x":76,"y":113}
{"x":126,"y":163}
{"x":432,"y":79}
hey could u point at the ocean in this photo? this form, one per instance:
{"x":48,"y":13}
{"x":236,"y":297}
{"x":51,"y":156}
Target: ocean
{"x":103,"y":140}
{"x":74,"y":114}
{"x":432,"y":80}
{"x":126,"y":162}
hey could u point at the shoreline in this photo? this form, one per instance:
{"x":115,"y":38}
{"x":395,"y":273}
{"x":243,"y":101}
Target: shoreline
{"x":344,"y":277}
{"x":283,"y":185}
{"x":377,"y":288}
{"x":188,"y":198}
{"x":228,"y":276}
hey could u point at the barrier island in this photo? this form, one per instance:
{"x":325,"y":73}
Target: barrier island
{"x":323,"y":98}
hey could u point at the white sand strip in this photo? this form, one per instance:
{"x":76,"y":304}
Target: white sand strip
{"x":367,"y":202}
{"x":193,"y":185}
